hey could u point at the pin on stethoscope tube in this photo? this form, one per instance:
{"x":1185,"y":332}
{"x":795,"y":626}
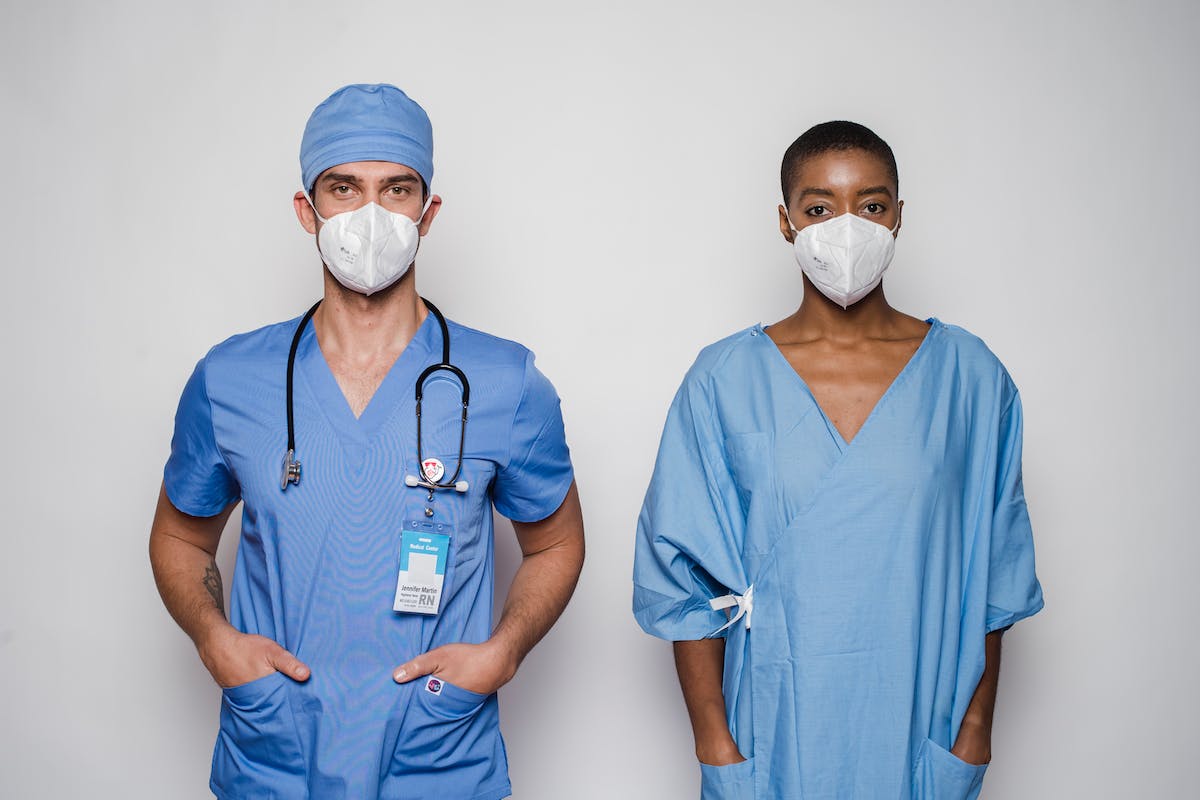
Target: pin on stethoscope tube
{"x":290,"y":473}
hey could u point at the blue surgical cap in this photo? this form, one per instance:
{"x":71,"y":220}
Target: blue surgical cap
{"x":367,"y":122}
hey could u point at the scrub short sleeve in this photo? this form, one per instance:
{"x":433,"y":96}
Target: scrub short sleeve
{"x":1013,"y":589}
{"x":532,"y":485}
{"x":687,"y":549}
{"x":197,"y":479}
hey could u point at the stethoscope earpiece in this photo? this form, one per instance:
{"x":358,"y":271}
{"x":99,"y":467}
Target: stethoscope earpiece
{"x":412,"y":481}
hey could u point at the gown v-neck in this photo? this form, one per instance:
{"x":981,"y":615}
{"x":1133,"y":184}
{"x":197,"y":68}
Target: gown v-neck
{"x":842,"y":442}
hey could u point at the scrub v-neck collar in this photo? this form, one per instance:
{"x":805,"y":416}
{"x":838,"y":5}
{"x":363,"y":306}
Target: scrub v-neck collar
{"x":901,"y":377}
{"x":388,"y":396}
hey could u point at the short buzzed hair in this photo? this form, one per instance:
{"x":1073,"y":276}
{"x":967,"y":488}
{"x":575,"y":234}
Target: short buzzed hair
{"x":830,"y":136}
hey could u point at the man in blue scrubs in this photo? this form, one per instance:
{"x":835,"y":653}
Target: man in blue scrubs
{"x":359,"y":659}
{"x":835,"y":535}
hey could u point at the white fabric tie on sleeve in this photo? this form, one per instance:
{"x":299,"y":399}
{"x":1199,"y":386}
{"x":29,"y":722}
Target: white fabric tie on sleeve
{"x":744,"y":603}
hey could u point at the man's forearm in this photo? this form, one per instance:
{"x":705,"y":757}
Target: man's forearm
{"x":701,"y":667}
{"x":544,"y":581}
{"x":190,"y":585}
{"x":539,"y":592}
{"x":182,"y":556}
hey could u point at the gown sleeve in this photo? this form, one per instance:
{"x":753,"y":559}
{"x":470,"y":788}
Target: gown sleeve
{"x":690,"y":527}
{"x":197,"y":479}
{"x":533,"y":483}
{"x":1013,"y":591}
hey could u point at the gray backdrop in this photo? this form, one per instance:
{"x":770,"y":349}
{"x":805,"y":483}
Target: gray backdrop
{"x":610,"y":178}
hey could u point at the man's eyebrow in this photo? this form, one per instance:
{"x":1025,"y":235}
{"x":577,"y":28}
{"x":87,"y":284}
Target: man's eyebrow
{"x":338,"y":177}
{"x":875,"y":190}
{"x":401,"y":179}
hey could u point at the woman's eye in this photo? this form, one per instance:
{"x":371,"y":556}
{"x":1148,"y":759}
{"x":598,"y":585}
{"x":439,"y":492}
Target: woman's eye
{"x":817,"y":211}
{"x":874,"y":208}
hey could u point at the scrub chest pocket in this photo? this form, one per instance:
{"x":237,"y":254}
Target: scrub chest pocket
{"x":462,"y":511}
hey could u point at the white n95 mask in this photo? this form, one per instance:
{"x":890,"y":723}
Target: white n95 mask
{"x":369,"y":248}
{"x":845,"y":257}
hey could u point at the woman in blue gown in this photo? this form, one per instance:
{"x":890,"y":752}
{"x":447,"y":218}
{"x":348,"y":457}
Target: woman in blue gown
{"x":835,"y":535}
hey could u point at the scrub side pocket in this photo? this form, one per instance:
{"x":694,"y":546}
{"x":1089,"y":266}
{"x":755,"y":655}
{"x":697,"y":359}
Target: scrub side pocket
{"x":730,"y":782}
{"x":941,"y":775}
{"x":258,"y":744}
{"x":455,"y":726}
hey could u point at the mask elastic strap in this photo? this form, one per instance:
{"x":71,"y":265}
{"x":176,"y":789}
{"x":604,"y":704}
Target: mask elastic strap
{"x":313,"y":206}
{"x":424,"y":208}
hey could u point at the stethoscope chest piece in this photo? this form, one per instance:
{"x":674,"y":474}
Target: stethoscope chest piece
{"x":291,"y":470}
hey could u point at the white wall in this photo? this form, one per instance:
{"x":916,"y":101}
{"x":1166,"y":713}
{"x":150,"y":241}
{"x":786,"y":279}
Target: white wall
{"x":610,"y":178}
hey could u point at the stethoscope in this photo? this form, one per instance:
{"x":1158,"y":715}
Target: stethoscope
{"x":430,"y":475}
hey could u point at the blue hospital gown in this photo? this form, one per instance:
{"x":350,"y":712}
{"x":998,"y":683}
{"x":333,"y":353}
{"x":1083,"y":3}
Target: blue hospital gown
{"x":317,"y":564}
{"x":877,"y":566}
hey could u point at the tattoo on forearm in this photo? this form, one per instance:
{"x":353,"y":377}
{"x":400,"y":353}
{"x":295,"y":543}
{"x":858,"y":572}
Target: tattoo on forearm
{"x":212,"y":582}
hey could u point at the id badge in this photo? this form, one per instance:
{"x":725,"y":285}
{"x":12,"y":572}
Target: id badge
{"x":424,"y":548}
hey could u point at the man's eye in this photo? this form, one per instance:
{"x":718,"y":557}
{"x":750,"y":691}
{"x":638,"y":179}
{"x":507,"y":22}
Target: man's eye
{"x":341,"y":190}
{"x":400,"y":191}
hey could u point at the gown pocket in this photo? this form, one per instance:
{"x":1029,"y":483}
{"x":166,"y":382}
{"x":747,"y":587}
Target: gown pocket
{"x":258,"y":750}
{"x":730,"y":782}
{"x":941,"y":775}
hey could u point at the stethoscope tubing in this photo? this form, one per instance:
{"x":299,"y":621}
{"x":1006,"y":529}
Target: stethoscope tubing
{"x":291,"y":467}
{"x":419,"y":392}
{"x":291,"y":374}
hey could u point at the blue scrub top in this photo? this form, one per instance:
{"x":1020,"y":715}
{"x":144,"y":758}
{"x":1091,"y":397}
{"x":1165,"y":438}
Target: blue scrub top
{"x":878,"y":565}
{"x":317,"y":564}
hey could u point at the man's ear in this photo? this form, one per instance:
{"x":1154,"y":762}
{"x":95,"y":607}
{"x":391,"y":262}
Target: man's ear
{"x":435,"y":205}
{"x":305,"y":212}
